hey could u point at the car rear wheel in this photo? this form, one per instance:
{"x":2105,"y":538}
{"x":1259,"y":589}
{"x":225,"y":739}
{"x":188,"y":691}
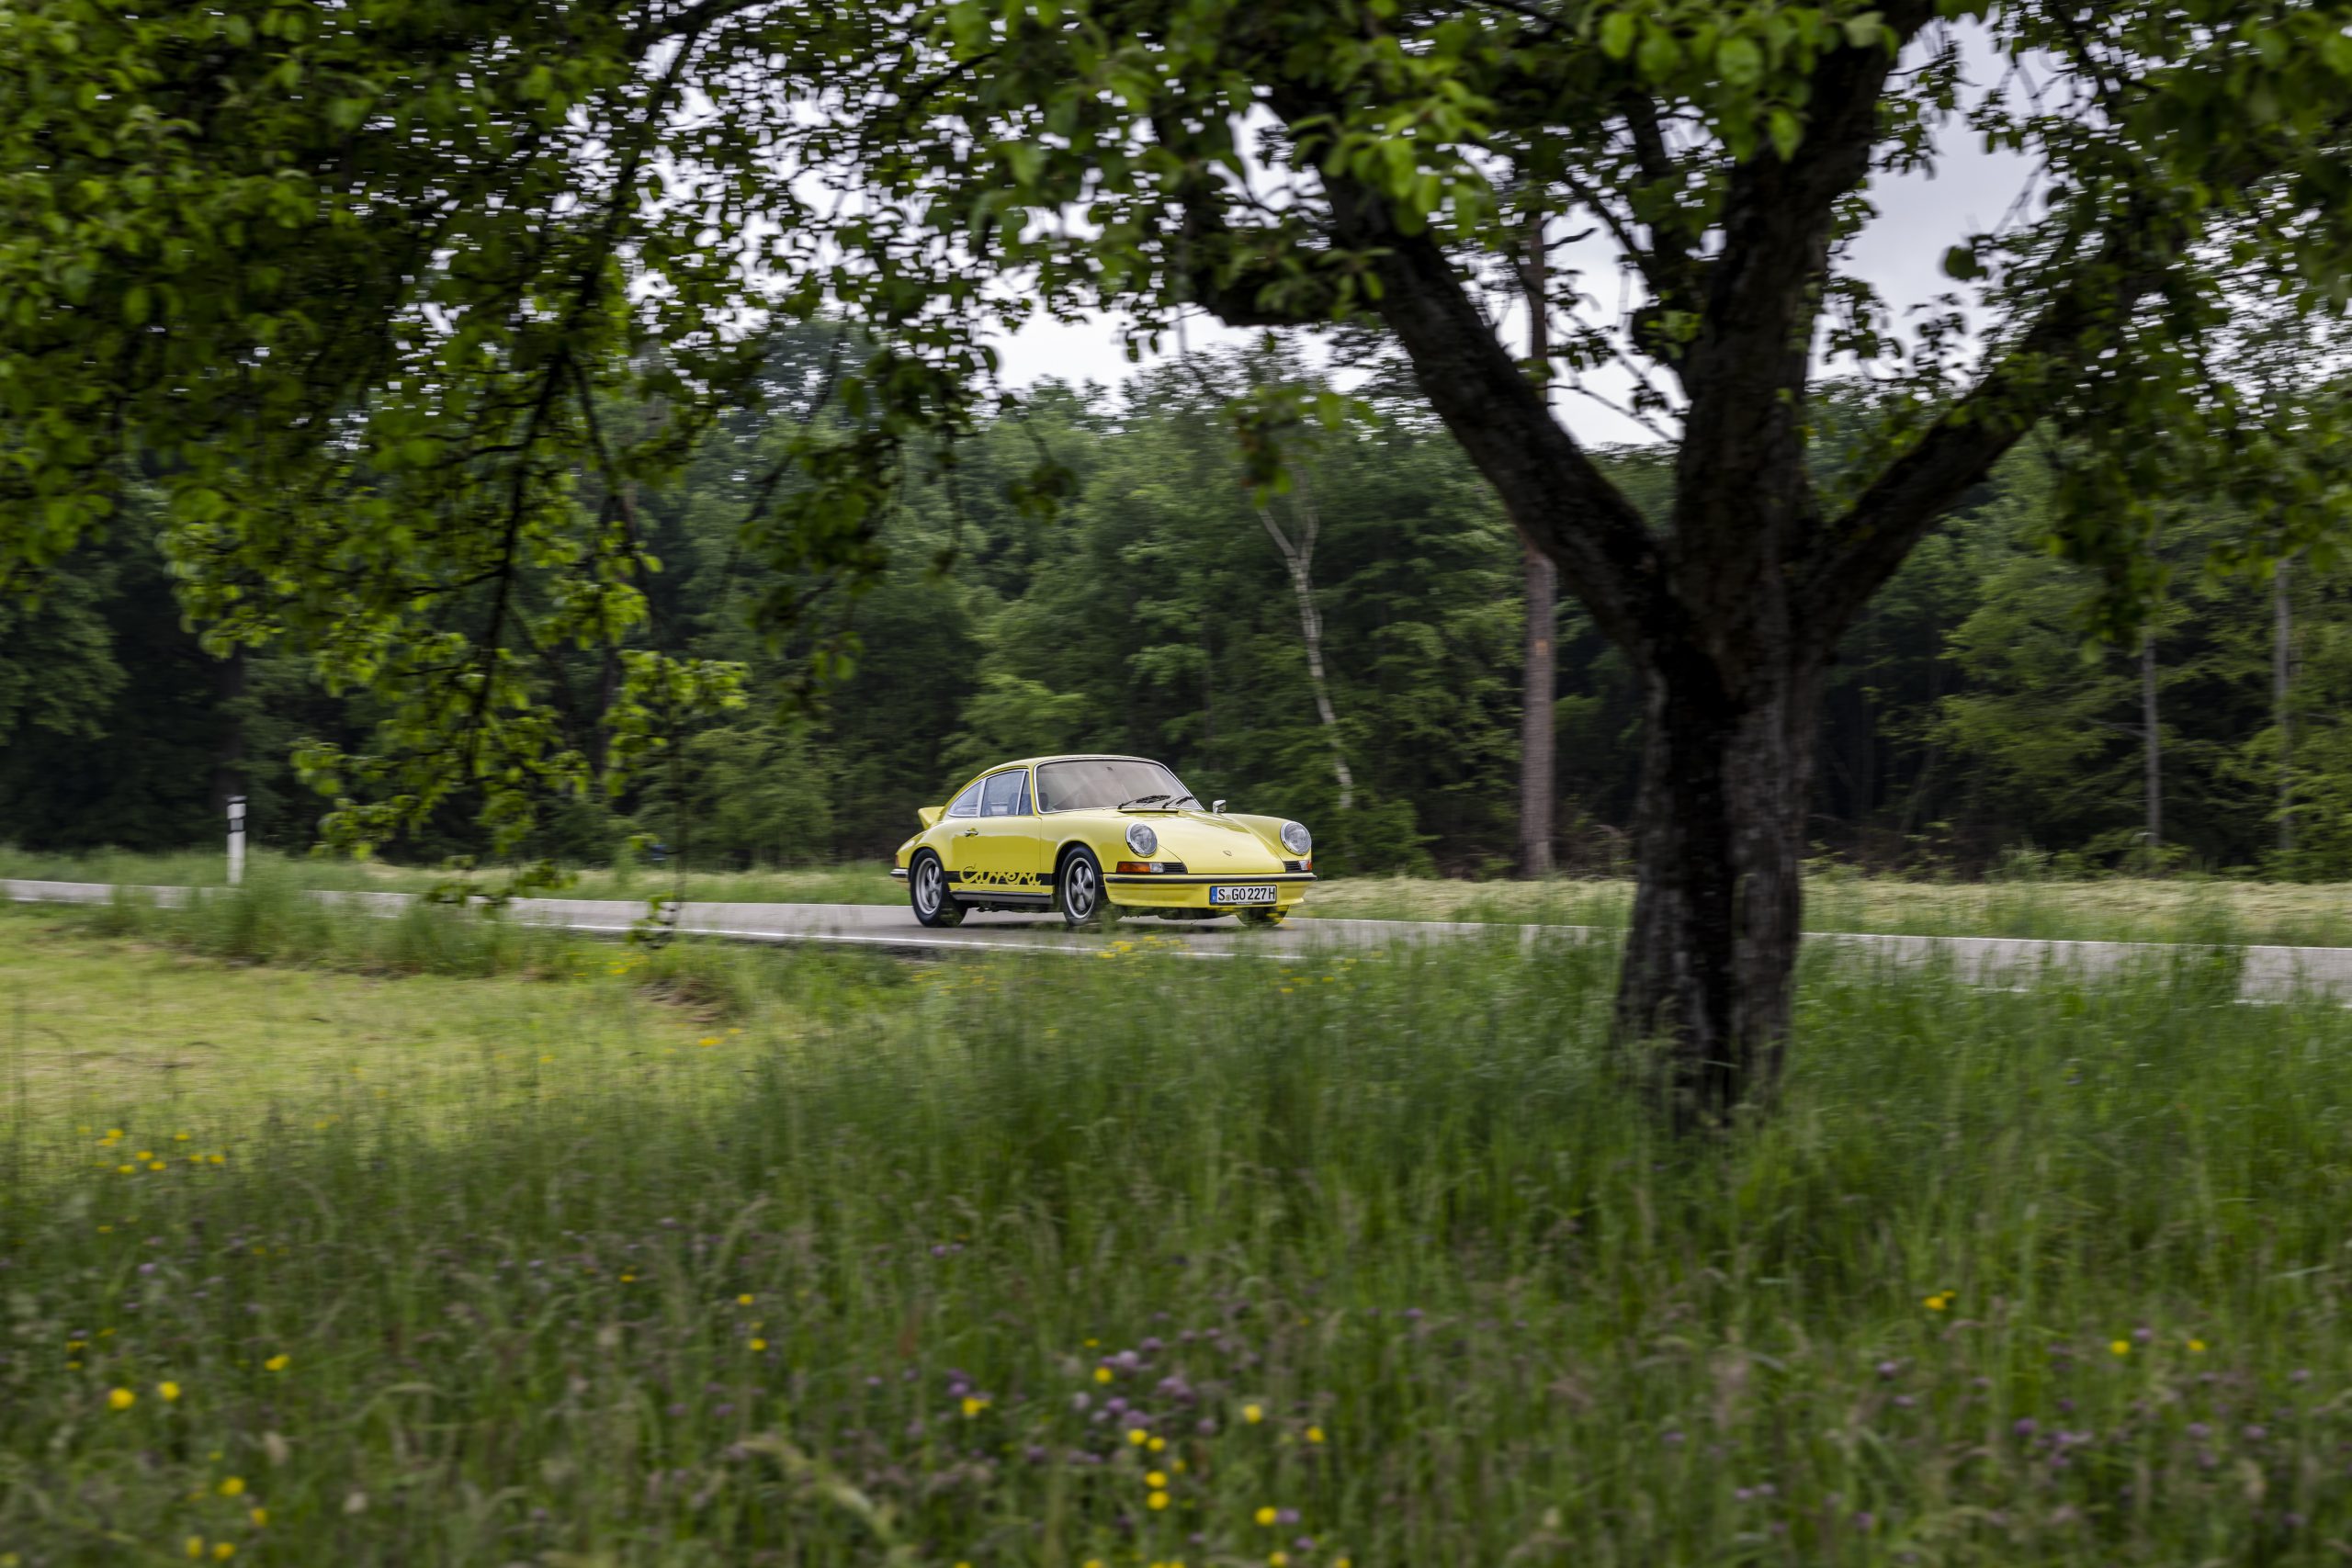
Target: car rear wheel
{"x":927,"y":890}
{"x":1078,"y":889}
{"x":1262,"y":917}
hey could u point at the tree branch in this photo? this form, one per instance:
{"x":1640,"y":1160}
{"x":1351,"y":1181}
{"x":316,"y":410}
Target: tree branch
{"x":1857,"y":555}
{"x":1563,"y":504}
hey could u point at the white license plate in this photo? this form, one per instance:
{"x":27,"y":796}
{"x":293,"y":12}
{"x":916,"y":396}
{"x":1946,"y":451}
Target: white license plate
{"x":1260,"y":895}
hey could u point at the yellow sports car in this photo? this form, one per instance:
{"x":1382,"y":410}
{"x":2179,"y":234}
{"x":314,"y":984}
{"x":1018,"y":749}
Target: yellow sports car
{"x":1097,"y":838}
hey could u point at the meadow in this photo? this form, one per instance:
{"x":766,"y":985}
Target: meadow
{"x":426,"y":1240}
{"x":2183,"y":908}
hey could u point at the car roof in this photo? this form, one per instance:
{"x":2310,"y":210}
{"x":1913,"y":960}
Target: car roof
{"x":1056,"y":757}
{"x":1072,"y":757}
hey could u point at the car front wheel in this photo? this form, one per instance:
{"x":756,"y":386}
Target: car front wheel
{"x":1078,"y":891}
{"x":927,"y":889}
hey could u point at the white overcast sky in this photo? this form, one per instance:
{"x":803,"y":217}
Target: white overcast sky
{"x":1919,"y":217}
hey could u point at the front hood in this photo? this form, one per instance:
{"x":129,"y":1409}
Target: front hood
{"x":1205,"y":843}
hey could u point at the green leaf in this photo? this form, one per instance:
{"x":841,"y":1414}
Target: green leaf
{"x":1660,"y":54}
{"x":1961,"y":261}
{"x":1617,"y":34}
{"x":1786,"y":132}
{"x":1739,"y":61}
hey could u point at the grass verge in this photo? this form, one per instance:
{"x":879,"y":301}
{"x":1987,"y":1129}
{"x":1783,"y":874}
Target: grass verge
{"x":2182,"y":909}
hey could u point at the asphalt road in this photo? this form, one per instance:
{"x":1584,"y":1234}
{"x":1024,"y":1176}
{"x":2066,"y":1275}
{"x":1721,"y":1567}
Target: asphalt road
{"x":2265,"y":974}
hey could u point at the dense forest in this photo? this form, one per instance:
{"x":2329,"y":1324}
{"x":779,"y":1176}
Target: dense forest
{"x":1357,"y":639}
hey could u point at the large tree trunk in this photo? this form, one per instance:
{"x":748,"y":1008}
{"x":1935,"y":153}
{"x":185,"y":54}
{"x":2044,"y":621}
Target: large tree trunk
{"x":1719,"y":830}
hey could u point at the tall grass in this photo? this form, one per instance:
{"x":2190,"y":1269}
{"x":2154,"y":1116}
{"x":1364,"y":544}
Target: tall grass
{"x":1366,"y":1261}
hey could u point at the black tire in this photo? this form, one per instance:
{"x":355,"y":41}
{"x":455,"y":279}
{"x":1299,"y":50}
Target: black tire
{"x":1079,"y":893}
{"x":927,"y":891}
{"x":1265,"y":919}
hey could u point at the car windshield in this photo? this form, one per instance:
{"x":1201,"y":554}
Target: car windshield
{"x":1100,"y":782}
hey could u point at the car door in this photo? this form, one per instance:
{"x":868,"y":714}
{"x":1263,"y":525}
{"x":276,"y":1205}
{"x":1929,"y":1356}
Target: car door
{"x":999,"y":850}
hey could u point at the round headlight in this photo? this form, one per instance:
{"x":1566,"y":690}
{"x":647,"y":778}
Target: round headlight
{"x":1297,"y":838}
{"x":1142,"y":840}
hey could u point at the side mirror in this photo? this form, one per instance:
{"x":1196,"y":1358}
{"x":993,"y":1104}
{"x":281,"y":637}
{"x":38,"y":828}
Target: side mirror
{"x":1216,"y":808}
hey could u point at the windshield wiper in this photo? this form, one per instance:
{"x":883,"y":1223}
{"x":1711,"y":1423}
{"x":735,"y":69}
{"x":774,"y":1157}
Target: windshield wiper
{"x":1141,"y":800}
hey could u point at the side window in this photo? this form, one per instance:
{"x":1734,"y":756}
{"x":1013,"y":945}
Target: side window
{"x":966,"y":804}
{"x":1005,"y":794}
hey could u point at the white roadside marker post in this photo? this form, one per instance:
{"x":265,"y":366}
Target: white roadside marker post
{"x":237,"y":840}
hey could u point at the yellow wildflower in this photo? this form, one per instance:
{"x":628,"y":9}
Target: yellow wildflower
{"x":1138,"y":1435}
{"x":1156,"y":1500}
{"x":258,"y":1516}
{"x":278,"y":1362}
{"x":1277,"y":1559}
{"x":1102,"y":1374}
{"x":224,"y":1549}
{"x":1266,"y":1516}
{"x":121,"y":1399}
{"x":170,"y":1390}
{"x":1155,"y":1480}
{"x":1254,"y":1414}
{"x":973,"y":1405}
{"x":233,"y":1487}
{"x":743,"y":1301}
{"x":2196,"y":1347}
{"x":195,"y":1546}
{"x":759,"y":1344}
{"x":2121,"y":1347}
{"x":1314,"y":1434}
{"x":1157,"y":1444}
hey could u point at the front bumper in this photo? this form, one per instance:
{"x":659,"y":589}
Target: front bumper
{"x":1189,"y":890}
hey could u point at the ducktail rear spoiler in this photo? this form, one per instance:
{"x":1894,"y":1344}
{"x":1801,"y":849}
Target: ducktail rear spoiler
{"x":929,"y":815}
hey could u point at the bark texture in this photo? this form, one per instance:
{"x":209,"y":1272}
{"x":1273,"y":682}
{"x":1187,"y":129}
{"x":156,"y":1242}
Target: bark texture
{"x":1726,"y":775}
